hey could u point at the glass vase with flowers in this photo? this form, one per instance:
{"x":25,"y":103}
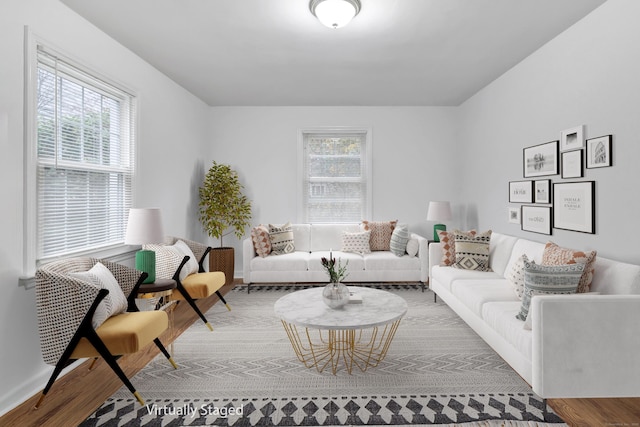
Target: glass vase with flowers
{"x":335,"y":294}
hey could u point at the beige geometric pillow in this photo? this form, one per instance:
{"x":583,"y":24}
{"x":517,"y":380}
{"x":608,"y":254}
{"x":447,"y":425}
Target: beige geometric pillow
{"x":472,"y":251}
{"x":281,"y":238}
{"x":356,"y":242}
{"x":516,"y":276}
{"x":380,"y":234}
{"x":261,"y":241}
{"x":556,"y":255}
{"x":448,"y":240}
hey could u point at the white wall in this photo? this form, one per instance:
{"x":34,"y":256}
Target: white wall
{"x":412,"y":151}
{"x":172,"y":130}
{"x":588,"y":75}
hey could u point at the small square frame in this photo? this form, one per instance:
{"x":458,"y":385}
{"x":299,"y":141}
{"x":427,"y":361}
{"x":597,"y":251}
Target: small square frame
{"x":572,"y":164}
{"x":572,"y":139}
{"x":513,"y":213}
{"x":599,"y":152}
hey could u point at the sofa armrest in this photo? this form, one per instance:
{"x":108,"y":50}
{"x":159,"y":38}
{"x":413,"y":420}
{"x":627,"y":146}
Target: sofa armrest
{"x":585,"y":345}
{"x":435,"y":255}
{"x":248,"y":253}
{"x":423,"y":254}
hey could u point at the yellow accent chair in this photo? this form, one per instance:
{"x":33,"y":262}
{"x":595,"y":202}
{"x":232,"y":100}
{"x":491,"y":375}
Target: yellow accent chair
{"x":192,"y":280}
{"x":86,"y":309}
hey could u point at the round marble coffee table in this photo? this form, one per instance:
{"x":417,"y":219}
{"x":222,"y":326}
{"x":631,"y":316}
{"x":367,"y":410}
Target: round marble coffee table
{"x":357,"y":334}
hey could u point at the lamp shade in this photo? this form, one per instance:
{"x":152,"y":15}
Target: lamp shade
{"x":144,"y":226}
{"x":334,"y":13}
{"x":439,"y":211}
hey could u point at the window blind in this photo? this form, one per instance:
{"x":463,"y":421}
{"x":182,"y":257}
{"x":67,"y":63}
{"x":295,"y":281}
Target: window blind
{"x":334,"y":174}
{"x":85,"y":159}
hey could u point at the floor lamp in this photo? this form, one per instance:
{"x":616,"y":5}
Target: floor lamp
{"x":438,"y":212}
{"x":145,"y":226}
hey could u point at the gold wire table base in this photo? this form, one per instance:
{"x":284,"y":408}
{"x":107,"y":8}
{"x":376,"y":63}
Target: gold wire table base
{"x":321,"y":348}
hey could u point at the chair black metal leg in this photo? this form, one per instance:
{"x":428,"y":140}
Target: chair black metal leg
{"x":165,"y":352}
{"x":223,"y":301}
{"x":193,"y":305}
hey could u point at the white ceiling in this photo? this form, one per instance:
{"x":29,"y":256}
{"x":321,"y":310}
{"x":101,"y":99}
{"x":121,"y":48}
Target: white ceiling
{"x":275,"y":52}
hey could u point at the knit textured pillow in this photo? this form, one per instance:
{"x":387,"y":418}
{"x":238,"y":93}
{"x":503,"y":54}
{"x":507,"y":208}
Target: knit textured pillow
{"x":548,"y":279}
{"x":261,"y":241}
{"x":472,"y":251}
{"x":516,"y":276}
{"x":114,"y":303}
{"x":168,"y":259}
{"x":448,"y":240}
{"x":380,"y":234}
{"x":399,"y":239}
{"x":556,"y":255}
{"x":281,"y":238}
{"x":356,"y":242}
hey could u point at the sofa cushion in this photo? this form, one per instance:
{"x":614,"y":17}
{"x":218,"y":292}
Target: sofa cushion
{"x":261,"y":241}
{"x":500,"y":250}
{"x":556,"y":255}
{"x":380,"y":234}
{"x":385,"y":260}
{"x":447,"y":275}
{"x":548,"y":279}
{"x":614,"y":277}
{"x":532,"y":249}
{"x":472,"y":251}
{"x":475,"y":293}
{"x":356,"y":242}
{"x":324,"y":237}
{"x":295,"y":261}
{"x":281,"y":238}
{"x":399,"y":239}
{"x":501,"y":317}
{"x":353,"y":261}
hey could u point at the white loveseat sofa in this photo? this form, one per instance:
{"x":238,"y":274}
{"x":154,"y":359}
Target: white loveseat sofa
{"x":314,"y":241}
{"x":579,"y":345}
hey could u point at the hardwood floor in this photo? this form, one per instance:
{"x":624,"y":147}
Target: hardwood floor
{"x":78,"y":394}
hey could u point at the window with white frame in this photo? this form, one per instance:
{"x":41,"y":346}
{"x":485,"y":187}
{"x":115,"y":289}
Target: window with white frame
{"x":82,"y":158}
{"x":336,"y":175}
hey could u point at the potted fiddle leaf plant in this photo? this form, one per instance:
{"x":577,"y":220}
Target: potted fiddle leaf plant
{"x":224,"y":209}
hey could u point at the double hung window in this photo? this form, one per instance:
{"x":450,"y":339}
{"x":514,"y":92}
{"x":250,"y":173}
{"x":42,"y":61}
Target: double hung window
{"x":83,"y":159}
{"x":336,"y":175}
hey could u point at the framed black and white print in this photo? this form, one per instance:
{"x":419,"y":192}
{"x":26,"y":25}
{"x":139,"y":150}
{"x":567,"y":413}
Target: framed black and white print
{"x":513,"y":214}
{"x":540,"y":160}
{"x":520,"y":191}
{"x":542,"y":191}
{"x":572,"y":164}
{"x":599,"y":152}
{"x":574,"y":206}
{"x":536,"y":219}
{"x":572,"y":139}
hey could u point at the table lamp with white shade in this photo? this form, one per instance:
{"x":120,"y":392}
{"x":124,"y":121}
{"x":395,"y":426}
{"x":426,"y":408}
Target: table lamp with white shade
{"x":145,"y":226}
{"x":439,"y":212}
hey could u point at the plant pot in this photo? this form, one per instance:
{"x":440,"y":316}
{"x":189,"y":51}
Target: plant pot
{"x":222,"y":259}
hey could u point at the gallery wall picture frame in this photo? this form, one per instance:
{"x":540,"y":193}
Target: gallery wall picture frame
{"x":540,"y":160}
{"x":542,"y":191}
{"x":537,"y":219}
{"x":599,"y":152}
{"x":572,"y":164}
{"x":513,"y":214}
{"x":520,"y":191}
{"x":572,"y":139}
{"x":574,"y":206}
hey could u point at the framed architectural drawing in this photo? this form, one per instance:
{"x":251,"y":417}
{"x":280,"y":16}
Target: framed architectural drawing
{"x":599,"y":152}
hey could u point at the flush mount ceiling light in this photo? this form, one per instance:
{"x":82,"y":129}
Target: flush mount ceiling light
{"x":334,"y":13}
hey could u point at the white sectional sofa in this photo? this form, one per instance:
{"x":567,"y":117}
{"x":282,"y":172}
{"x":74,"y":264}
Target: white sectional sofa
{"x":314,"y":241}
{"x":579,"y":345}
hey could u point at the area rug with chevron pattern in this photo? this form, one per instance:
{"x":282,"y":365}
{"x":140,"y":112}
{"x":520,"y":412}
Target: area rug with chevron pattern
{"x":245,"y":373}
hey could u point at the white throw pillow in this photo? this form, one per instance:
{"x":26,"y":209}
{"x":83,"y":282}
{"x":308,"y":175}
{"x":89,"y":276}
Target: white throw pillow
{"x":114,"y":303}
{"x":192,"y":265}
{"x":516,"y":276}
{"x":413,"y":246}
{"x":356,"y":242}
